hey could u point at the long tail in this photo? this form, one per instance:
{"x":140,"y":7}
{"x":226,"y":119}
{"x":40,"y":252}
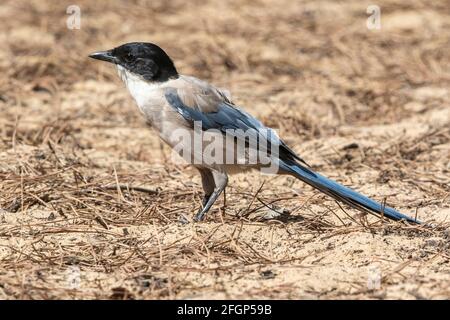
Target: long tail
{"x":341,"y":193}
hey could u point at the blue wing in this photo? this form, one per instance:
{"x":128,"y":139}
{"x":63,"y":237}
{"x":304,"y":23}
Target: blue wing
{"x":226,"y":116}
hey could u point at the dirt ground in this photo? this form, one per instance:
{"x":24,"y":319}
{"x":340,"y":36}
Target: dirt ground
{"x":368,"y":108}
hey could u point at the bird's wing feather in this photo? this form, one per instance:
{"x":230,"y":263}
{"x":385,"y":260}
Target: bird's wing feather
{"x":197,"y":101}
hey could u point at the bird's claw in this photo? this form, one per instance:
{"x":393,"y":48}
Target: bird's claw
{"x":183,"y":220}
{"x":200,"y":216}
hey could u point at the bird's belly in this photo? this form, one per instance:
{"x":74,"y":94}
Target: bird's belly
{"x":206,"y":149}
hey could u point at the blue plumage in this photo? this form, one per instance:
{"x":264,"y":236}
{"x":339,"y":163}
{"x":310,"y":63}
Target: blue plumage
{"x":228,"y":116}
{"x":341,"y":193}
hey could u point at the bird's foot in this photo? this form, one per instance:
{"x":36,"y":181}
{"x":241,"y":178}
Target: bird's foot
{"x":183,"y":219}
{"x":200,"y":216}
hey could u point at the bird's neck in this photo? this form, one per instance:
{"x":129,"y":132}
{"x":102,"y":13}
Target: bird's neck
{"x":140,"y":89}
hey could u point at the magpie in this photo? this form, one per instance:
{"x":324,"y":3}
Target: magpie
{"x":178,"y":106}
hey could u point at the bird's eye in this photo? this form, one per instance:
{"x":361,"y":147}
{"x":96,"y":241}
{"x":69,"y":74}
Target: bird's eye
{"x":127,"y":57}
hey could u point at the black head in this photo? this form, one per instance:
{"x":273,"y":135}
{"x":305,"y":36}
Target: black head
{"x":141,"y":58}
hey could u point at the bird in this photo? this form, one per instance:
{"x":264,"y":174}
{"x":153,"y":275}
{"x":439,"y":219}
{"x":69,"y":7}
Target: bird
{"x":179,"y":106}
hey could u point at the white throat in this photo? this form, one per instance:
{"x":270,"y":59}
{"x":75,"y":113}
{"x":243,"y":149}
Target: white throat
{"x":140,"y":89}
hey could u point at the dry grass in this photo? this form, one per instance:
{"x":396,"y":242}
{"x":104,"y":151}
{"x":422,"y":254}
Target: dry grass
{"x":85,"y":185}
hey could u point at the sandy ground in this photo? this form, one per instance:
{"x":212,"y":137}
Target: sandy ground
{"x":369,"y":108}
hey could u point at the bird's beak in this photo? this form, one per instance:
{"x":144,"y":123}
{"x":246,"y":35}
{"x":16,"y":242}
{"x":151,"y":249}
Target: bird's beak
{"x":104,"y":56}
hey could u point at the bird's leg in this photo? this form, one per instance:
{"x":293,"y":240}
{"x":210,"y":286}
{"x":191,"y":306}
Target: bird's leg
{"x":208,"y":185}
{"x":221,"y":181}
{"x":205,"y":199}
{"x":224,"y":200}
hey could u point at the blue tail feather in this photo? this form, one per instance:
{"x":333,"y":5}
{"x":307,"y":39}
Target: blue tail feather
{"x":341,"y":193}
